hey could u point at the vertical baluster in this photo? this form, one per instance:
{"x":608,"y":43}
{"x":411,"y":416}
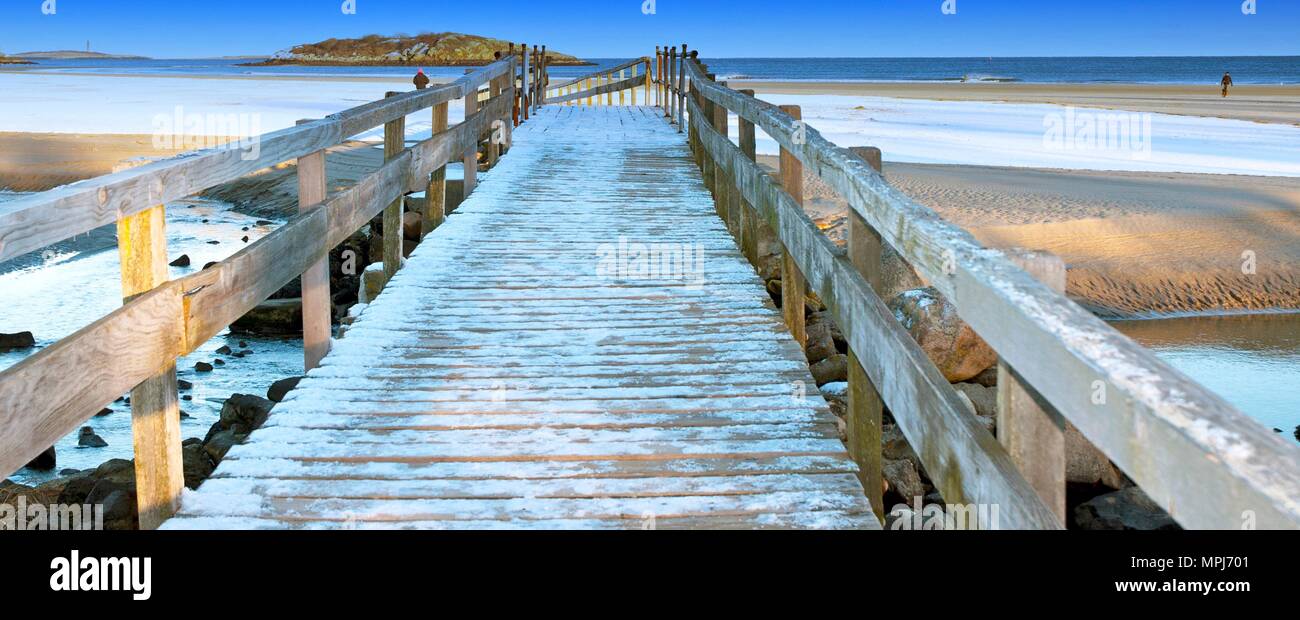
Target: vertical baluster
{"x":865,"y":407}
{"x":1031,"y":430}
{"x":155,"y":403}
{"x":435,"y":194}
{"x":470,"y":160}
{"x":317,"y":307}
{"x":394,"y":142}
{"x":792,"y":280}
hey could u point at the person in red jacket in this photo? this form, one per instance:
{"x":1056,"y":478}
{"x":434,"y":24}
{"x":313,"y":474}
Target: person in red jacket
{"x":421,"y":80}
{"x":1226,"y":82}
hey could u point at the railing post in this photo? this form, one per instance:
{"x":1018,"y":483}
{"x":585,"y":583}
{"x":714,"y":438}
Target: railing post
{"x":672,"y":85}
{"x":681,"y":90}
{"x":1031,"y":430}
{"x":749,"y":220}
{"x":722,"y":186}
{"x":317,"y":307}
{"x":621,"y":77}
{"x":471,"y":150}
{"x":155,"y":403}
{"x":633,"y":89}
{"x":493,"y":148}
{"x":792,"y":280}
{"x":394,"y":143}
{"x":544,"y":77}
{"x":515,"y":71}
{"x":865,"y":406}
{"x":435,"y":194}
{"x":527,"y":83}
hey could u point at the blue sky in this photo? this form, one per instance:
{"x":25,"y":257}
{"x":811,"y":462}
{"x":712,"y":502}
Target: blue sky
{"x":720,"y":28}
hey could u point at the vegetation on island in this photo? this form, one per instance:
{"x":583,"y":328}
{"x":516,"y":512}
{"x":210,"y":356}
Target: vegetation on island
{"x":433,"y":49}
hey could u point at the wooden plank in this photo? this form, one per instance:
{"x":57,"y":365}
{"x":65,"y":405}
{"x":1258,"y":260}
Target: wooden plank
{"x":317,"y":305}
{"x":1030,"y":430}
{"x":622,"y":395}
{"x":32,"y":222}
{"x":55,"y":390}
{"x":1189,"y":434}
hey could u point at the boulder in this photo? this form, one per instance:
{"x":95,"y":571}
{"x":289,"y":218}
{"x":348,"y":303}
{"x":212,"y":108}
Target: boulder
{"x":183,"y":261}
{"x":821,"y":344}
{"x":903,"y":479}
{"x":1129,"y":509}
{"x":202,"y":367}
{"x":412,"y":225}
{"x":952,"y":345}
{"x":372,"y":283}
{"x":243,"y":413}
{"x":281,"y":388}
{"x":20,"y":340}
{"x":894,"y":445}
{"x":45,"y":461}
{"x":118,"y":500}
{"x":832,"y":369}
{"x":88,"y":439}
{"x":272,"y":317}
{"x":1085,"y":464}
{"x":219,"y":444}
{"x":984,"y":399}
{"x":197,"y":464}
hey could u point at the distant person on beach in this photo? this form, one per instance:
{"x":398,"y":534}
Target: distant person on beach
{"x":1226,"y":82}
{"x":421,"y":80}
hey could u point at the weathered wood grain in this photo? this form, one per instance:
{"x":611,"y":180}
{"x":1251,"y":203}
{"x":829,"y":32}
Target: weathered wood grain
{"x":963,"y":460}
{"x":1199,"y":457}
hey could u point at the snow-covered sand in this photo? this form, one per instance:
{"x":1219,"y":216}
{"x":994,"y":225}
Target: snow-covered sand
{"x":908,"y":130}
{"x":1020,"y":135}
{"x":136,"y":105}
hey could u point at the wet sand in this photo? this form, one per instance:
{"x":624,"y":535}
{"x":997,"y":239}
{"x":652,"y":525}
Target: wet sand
{"x":1259,"y":103}
{"x":1136,"y":244}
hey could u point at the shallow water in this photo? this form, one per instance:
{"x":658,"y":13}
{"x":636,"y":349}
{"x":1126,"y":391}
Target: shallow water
{"x":71,"y":285}
{"x":1252,"y":361}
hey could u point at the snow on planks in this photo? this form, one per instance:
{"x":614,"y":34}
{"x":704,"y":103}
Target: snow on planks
{"x":529,"y":368}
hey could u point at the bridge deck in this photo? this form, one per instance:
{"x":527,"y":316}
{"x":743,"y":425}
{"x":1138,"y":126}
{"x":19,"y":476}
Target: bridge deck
{"x":529,"y":368}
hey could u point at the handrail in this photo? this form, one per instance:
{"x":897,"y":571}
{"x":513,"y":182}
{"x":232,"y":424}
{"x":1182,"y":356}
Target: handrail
{"x":1205,"y":462}
{"x":33,"y":222}
{"x":627,"y":65}
{"x":49,"y":394}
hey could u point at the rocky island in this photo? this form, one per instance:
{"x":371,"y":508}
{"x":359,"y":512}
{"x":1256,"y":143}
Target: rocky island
{"x":433,"y":49}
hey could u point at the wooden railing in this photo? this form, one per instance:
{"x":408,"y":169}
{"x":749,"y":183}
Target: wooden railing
{"x":1205,"y":462}
{"x":588,"y":89}
{"x":51,"y":393}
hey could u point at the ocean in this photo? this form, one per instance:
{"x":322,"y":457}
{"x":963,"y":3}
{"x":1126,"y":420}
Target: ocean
{"x":1087,"y":70}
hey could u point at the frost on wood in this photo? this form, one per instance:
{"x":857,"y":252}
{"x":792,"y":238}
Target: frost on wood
{"x":507,"y":377}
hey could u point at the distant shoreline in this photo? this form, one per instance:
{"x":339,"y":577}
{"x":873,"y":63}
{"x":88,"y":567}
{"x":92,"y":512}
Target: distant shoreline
{"x":271,"y":62}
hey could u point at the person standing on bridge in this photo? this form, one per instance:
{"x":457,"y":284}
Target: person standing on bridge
{"x":421,"y":80}
{"x":1226,"y":82}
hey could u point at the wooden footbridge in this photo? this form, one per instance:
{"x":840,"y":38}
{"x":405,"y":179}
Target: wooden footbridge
{"x":584,"y":343}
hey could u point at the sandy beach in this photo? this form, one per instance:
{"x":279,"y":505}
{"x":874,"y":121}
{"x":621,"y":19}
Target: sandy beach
{"x":1136,"y":244}
{"x":1259,"y":103}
